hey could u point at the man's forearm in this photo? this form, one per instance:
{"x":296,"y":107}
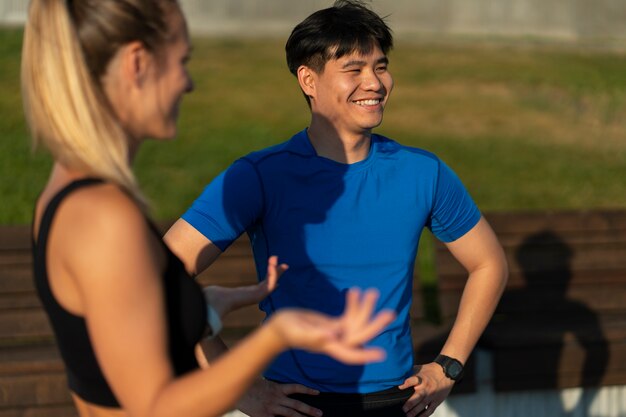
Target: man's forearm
{"x":480,"y":298}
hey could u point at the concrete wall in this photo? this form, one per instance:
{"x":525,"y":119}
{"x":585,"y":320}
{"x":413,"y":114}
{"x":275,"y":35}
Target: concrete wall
{"x":572,"y":20}
{"x":13,"y":12}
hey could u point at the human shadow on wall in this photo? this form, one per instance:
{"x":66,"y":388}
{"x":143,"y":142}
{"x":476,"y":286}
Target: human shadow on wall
{"x":541,"y":337}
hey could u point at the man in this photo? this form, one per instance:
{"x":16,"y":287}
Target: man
{"x":344,"y":207}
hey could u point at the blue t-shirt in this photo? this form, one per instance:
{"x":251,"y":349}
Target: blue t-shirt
{"x":337,"y":226}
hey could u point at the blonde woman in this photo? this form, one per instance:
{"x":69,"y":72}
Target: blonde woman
{"x":98,"y":77}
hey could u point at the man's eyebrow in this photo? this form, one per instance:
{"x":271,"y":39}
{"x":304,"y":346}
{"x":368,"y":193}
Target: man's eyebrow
{"x":354,"y":63}
{"x":361,"y":63}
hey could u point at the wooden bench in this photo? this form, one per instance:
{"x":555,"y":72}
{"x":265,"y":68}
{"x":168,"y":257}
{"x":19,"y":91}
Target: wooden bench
{"x":32,"y":377}
{"x":562,"y":319}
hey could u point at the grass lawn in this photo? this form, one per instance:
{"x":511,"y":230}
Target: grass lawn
{"x":524,"y":127}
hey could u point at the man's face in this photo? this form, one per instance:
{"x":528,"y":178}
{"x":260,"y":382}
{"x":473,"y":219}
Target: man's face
{"x":352,"y":91}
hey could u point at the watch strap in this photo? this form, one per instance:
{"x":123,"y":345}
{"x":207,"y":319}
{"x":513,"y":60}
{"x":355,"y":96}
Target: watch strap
{"x":212,"y":316}
{"x":214,"y":321}
{"x":452,"y":368}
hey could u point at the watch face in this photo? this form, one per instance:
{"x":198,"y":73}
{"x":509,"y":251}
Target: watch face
{"x":454,"y":369}
{"x":451,"y":367}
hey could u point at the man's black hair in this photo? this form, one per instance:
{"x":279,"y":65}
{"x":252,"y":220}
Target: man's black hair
{"x":349,"y":26}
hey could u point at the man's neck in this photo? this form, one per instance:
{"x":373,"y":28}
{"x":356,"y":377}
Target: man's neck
{"x":342,"y":147}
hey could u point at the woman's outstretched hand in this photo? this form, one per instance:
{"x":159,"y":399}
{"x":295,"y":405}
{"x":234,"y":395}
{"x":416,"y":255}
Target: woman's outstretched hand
{"x":340,"y":337}
{"x":225,"y":300}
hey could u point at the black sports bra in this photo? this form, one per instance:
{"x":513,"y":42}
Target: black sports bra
{"x":185,"y":305}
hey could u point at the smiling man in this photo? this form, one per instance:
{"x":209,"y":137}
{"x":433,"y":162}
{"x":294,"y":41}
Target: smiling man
{"x":345,"y":207}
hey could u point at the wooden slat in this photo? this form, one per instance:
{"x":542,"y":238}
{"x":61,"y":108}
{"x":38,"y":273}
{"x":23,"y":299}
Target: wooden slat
{"x":16,"y":280}
{"x":600,"y":299}
{"x":41,"y":411}
{"x":565,"y":366}
{"x":23,"y":324}
{"x":230,"y":271}
{"x":15,"y":237}
{"x":13,"y":301}
{"x":34,"y":390}
{"x":247,"y":317}
{"x":601,"y":257}
{"x":30,"y":359}
{"x":544,"y":330}
{"x":563,"y":221}
{"x":545,"y":279}
{"x":417,"y":311}
{"x":16,"y":258}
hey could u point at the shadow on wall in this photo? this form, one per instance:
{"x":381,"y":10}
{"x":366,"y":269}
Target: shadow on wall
{"x":540,"y":341}
{"x":560,"y":338}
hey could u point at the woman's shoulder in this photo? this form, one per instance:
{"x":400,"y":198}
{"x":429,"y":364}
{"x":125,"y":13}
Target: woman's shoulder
{"x":99,"y":232}
{"x":99,"y":217}
{"x":101,"y":204}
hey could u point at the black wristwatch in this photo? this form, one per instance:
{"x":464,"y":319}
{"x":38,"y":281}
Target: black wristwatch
{"x":451,"y":367}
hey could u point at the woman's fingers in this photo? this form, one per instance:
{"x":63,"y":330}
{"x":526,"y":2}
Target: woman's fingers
{"x":274,"y":271}
{"x":359,"y":326}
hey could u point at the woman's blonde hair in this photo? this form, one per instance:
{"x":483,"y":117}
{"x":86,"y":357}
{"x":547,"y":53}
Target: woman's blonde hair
{"x":67,"y":47}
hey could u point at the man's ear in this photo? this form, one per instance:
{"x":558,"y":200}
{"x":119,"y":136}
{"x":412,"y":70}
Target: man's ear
{"x":136,"y":60}
{"x":307,"y":78}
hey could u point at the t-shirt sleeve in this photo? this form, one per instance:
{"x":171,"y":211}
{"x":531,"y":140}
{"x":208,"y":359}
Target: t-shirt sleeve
{"x":454,"y":213}
{"x":228,"y":205}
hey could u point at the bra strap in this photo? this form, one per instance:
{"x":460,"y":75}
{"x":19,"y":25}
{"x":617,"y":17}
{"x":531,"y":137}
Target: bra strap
{"x":55,"y":202}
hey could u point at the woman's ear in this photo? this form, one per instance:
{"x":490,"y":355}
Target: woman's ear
{"x":306,"y":79}
{"x":135,"y":63}
{"x":125,"y":80}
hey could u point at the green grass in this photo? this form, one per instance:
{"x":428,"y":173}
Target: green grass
{"x":22,"y":172}
{"x":524,"y":127}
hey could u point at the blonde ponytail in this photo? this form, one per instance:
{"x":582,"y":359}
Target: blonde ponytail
{"x":63,"y":100}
